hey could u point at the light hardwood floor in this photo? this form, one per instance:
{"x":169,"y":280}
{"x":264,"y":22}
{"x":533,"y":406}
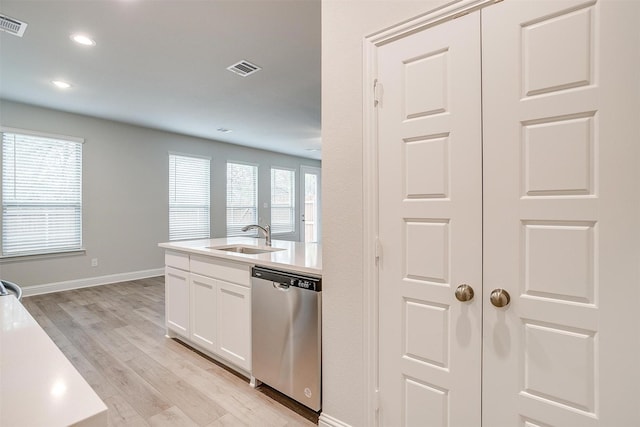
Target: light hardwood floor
{"x":115,"y":337}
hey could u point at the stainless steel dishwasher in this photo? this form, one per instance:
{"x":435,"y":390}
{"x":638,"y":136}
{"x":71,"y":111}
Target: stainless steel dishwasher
{"x":286,"y":333}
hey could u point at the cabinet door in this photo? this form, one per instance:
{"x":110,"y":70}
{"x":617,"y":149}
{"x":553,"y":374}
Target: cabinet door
{"x":430,"y":216}
{"x":203,"y":311}
{"x":177,"y":300}
{"x":234,"y":324}
{"x":561,"y":209}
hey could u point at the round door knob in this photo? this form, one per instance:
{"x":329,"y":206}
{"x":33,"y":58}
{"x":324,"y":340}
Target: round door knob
{"x":500,"y":298}
{"x":464,"y":293}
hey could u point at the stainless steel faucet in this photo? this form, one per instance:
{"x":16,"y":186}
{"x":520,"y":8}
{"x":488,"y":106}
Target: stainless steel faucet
{"x":266,"y":230}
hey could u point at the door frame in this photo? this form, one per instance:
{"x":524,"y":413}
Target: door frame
{"x":372,"y":251}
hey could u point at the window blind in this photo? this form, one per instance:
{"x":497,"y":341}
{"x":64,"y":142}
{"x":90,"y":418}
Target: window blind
{"x":189,"y":208}
{"x":41,"y":194}
{"x":242,"y":197}
{"x":283,"y":201}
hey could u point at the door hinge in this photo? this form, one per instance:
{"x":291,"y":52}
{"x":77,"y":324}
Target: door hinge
{"x":377,"y":251}
{"x":377,"y":92}
{"x":376,"y":400}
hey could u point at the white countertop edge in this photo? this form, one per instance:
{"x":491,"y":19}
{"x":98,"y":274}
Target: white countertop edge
{"x":296,"y":256}
{"x":38,"y":385}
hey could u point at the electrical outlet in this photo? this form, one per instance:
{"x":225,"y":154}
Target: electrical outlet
{"x":94,"y":262}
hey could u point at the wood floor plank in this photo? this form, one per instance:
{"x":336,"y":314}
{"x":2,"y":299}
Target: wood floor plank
{"x":189,"y":399}
{"x":121,"y":413}
{"x":178,"y":358}
{"x":152,"y":315}
{"x":118,"y":346}
{"x":107,"y":318}
{"x":81,"y":313}
{"x":172,"y":417}
{"x":124,"y":308}
{"x":228,"y":420}
{"x":115,"y":336}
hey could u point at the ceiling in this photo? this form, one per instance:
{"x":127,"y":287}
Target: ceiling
{"x":162,"y":64}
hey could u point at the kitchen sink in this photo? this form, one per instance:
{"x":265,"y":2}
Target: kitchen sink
{"x":240,"y":249}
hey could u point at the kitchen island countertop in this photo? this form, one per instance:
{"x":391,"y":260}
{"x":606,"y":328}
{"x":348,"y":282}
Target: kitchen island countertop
{"x":38,"y":385}
{"x":293,"y":256}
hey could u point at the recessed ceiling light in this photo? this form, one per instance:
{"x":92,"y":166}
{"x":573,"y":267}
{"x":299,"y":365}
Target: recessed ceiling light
{"x":312,"y":149}
{"x":224,"y":130}
{"x":60,"y":84}
{"x":83,"y":39}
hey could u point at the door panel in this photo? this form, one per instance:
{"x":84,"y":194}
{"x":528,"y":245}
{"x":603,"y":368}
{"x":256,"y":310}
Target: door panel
{"x":551,"y":217}
{"x":430,"y":226}
{"x":234,"y":323}
{"x":560,"y":206}
{"x":204,"y":325}
{"x":177,"y":304}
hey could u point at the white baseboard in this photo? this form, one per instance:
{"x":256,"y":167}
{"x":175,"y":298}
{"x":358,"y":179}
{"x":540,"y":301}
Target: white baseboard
{"x":48,"y":288}
{"x":329,"y":421}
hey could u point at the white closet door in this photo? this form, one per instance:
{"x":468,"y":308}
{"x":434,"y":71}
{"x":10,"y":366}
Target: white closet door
{"x":430,"y":227}
{"x":561,"y":211}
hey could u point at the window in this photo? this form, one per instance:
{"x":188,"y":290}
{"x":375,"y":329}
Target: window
{"x":283,"y":202}
{"x":242,"y":197}
{"x":41,"y":194}
{"x":188,"y":197}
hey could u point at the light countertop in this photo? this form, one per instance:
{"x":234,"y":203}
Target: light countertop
{"x":294,"y":256}
{"x":38,"y":385}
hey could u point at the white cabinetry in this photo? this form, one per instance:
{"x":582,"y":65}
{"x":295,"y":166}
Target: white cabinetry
{"x":234,"y":323}
{"x":177,"y":293}
{"x":203,"y":311}
{"x":209,"y":305}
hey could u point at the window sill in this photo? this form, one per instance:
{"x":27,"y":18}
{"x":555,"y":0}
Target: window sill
{"x":34,"y":257}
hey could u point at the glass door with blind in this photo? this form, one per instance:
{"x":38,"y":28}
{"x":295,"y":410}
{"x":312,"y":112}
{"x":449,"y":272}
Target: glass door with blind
{"x":310,"y":223}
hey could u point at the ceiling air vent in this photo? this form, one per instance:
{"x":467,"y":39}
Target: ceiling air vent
{"x":12,"y":26}
{"x":244,"y":68}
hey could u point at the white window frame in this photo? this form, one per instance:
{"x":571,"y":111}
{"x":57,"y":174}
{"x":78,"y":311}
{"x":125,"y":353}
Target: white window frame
{"x":233,"y":229}
{"x":195,"y":221}
{"x":292,"y":206}
{"x":47,"y":228}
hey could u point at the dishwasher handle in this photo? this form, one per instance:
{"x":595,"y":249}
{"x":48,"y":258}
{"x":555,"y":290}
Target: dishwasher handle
{"x":281,"y":287}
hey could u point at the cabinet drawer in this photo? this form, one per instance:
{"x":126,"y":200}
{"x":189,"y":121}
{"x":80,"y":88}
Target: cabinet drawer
{"x":220,"y":269}
{"x":176,"y":260}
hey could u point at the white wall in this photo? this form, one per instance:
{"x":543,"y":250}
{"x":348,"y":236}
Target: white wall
{"x":344,"y":25}
{"x":125,"y":192}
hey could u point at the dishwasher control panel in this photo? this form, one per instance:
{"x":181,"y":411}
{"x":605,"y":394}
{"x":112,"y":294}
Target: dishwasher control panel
{"x":286,"y":278}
